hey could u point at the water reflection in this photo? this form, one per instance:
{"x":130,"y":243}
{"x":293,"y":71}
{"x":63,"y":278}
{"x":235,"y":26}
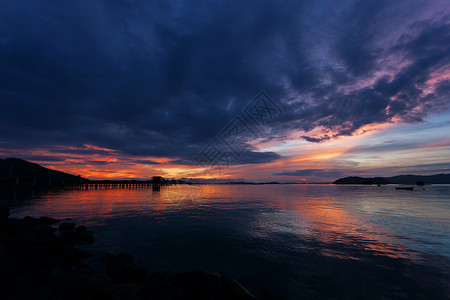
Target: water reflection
{"x":288,"y":240}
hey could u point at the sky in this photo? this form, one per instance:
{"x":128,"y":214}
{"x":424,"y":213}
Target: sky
{"x":289,"y":91}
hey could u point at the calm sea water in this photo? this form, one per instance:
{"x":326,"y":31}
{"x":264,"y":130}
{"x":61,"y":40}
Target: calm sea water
{"x":280,"y":241}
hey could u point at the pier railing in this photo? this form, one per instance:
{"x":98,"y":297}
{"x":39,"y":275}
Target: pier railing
{"x":52,"y":183}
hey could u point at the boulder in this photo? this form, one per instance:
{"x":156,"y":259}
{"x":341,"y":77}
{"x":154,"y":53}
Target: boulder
{"x":37,"y":255}
{"x":127,"y":258}
{"x":32,"y":253}
{"x":77,"y":281}
{"x":81,"y":229}
{"x":84,"y":237}
{"x":77,"y":237}
{"x":66,"y":226}
{"x":10,"y":224}
{"x":48,"y":221}
{"x":31,"y":222}
{"x":67,"y":255}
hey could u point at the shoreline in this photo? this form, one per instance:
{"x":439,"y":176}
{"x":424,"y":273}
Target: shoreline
{"x":39,"y":259}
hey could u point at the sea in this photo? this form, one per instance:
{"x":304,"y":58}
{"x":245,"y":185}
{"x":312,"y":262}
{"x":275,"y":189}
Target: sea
{"x":280,"y":241}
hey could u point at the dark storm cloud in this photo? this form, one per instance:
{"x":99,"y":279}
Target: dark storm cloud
{"x":230,"y":158}
{"x":163,"y":78}
{"x":402,"y":96}
{"x":146,"y":162}
{"x":313,"y":172}
{"x":83,"y":151}
{"x":251,"y":157}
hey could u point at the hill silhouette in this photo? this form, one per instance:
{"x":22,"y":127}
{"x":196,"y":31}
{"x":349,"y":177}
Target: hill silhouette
{"x":11,"y":168}
{"x":431,"y":179}
{"x":400,"y":179}
{"x":361,"y":180}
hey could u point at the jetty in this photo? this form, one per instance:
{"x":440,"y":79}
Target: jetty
{"x":21,"y":174}
{"x":82,"y":184}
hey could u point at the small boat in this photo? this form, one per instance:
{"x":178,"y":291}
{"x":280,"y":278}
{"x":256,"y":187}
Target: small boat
{"x":407,"y":188}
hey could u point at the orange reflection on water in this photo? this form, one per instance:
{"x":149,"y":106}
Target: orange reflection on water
{"x":335,"y":224}
{"x":327,"y":221}
{"x":96,"y":206}
{"x":306,"y":213}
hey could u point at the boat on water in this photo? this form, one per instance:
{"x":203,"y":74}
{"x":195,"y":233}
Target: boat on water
{"x":407,"y":188}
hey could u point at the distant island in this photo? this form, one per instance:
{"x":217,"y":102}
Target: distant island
{"x":361,"y":180}
{"x":400,"y":179}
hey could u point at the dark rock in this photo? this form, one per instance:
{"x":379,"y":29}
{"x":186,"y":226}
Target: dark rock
{"x":38,"y":256}
{"x":158,"y":287}
{"x":127,"y":258}
{"x":28,"y":226}
{"x":4,"y":212}
{"x":81,"y":229}
{"x":11,"y":223}
{"x":31,"y":222}
{"x":66,"y":226}
{"x":67,"y":255}
{"x":85,"y":237}
{"x":77,"y":237}
{"x":122,"y":267}
{"x":25,"y":286}
{"x":48,"y":221}
{"x":84,"y":266}
{"x":46,"y":229}
{"x":78,"y":281}
{"x":25,"y":235}
{"x":32,"y":254}
{"x":66,"y":239}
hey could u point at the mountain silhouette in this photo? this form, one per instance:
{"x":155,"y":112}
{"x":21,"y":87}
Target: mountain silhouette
{"x":11,"y":168}
{"x":361,"y":180}
{"x":400,"y":179}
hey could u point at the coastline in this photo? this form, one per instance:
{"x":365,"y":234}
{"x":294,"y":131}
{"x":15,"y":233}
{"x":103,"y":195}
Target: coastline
{"x":39,"y":259}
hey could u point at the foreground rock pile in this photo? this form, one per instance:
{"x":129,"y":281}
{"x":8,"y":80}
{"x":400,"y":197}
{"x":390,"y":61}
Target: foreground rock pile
{"x":39,"y":260}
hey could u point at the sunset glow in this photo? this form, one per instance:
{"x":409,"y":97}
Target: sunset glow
{"x":346,"y":99}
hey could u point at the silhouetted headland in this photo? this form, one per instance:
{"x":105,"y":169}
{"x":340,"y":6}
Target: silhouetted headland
{"x":19,"y":169}
{"x":361,"y":180}
{"x":400,"y":179}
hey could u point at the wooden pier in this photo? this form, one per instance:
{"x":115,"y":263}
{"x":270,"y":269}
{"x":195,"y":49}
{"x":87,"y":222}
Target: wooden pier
{"x":50,"y":183}
{"x":18,"y":175}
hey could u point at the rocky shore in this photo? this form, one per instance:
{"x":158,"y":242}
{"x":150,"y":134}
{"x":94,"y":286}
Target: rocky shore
{"x":39,"y":259}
